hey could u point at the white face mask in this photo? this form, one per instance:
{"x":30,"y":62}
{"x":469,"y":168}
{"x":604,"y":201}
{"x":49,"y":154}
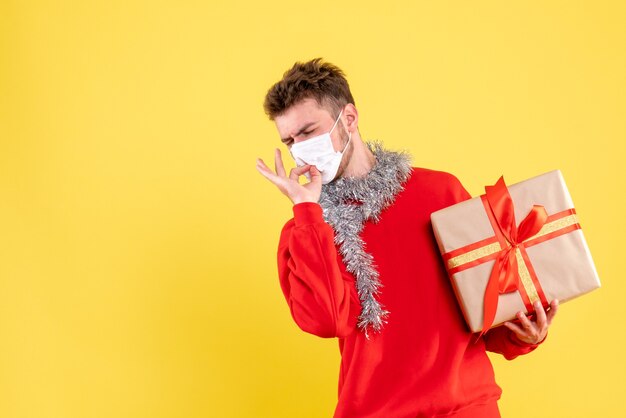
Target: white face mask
{"x":319,"y":151}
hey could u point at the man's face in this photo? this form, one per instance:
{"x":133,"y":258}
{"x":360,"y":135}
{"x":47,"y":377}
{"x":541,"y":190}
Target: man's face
{"x":307,"y":119}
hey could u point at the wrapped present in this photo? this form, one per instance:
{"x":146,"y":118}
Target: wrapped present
{"x":499,"y":266}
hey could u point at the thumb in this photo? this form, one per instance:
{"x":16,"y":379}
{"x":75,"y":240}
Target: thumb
{"x":316,"y":175}
{"x":296,"y":172}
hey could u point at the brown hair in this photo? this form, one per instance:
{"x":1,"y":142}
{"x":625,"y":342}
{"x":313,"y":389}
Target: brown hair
{"x":316,"y":79}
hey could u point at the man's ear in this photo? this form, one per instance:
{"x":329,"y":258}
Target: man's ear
{"x":351,"y":116}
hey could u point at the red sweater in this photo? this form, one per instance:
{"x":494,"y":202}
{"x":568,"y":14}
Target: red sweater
{"x":424,"y":362}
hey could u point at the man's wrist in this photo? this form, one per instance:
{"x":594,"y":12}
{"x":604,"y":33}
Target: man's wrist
{"x":298,"y":200}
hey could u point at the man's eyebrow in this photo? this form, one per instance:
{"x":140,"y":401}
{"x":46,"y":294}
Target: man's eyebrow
{"x":302,"y":129}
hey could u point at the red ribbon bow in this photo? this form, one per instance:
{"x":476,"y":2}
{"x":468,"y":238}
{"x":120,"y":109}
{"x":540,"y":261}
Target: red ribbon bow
{"x":504,"y":277}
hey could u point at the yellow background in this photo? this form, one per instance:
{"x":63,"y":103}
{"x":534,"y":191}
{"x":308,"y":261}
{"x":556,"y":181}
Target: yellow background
{"x":137,"y":240}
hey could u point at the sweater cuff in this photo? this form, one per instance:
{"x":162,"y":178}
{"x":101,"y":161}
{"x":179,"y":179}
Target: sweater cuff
{"x":307,"y":213}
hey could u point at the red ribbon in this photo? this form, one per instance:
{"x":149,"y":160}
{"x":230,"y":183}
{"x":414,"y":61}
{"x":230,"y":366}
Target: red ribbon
{"x":504,"y":277}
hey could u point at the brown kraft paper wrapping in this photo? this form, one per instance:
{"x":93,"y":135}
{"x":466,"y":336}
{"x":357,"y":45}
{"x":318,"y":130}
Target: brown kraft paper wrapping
{"x":562,"y":264}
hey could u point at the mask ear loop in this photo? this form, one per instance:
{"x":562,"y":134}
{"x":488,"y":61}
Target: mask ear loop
{"x":349,"y":133}
{"x":338,"y":117}
{"x":347,"y":143}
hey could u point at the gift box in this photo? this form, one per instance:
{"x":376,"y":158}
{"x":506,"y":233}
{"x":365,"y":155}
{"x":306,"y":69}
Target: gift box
{"x":512,"y":246}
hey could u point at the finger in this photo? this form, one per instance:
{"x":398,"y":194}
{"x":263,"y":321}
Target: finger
{"x":298,"y":171}
{"x":531,"y":330}
{"x":515,"y":328}
{"x":316,"y":175}
{"x":266,"y":172}
{"x":278,"y":164}
{"x":554,"y":307}
{"x":261,"y":165}
{"x":526,"y":323}
{"x":541,"y":315}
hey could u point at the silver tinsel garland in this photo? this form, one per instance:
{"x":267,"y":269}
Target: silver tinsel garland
{"x":347,"y":203}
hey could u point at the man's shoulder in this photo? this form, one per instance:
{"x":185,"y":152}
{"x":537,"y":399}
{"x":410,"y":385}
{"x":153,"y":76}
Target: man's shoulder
{"x":434,"y":188}
{"x":433,"y":179}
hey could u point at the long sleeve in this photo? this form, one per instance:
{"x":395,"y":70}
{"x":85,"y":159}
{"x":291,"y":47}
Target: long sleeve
{"x":503,"y":341}
{"x":315,"y":285}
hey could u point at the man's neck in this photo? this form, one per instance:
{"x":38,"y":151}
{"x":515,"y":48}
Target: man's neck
{"x":361,"y":161}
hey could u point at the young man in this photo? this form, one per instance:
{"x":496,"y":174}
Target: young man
{"x":359,"y":262}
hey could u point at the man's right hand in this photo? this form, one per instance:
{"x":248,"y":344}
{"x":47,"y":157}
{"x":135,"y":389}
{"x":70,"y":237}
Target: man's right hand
{"x":289,"y":186}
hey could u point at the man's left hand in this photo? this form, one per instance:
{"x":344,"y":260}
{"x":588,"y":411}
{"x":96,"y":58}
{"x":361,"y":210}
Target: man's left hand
{"x":534,"y":331}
